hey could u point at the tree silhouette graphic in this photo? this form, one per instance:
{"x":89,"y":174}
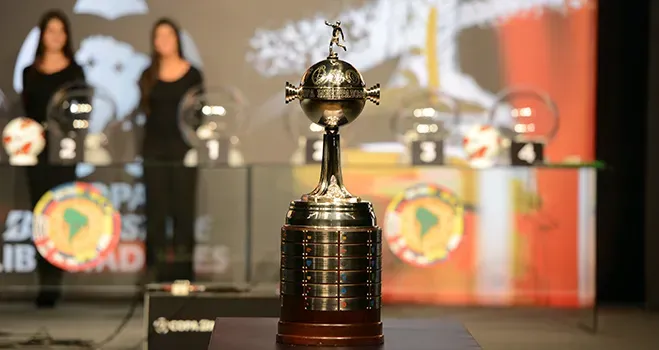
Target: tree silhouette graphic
{"x":76,"y":221}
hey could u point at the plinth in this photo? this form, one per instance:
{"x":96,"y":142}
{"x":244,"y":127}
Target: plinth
{"x":330,"y":275}
{"x":416,"y":334}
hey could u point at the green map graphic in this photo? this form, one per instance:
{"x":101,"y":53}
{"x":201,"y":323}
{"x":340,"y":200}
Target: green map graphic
{"x":76,"y":221}
{"x":427,"y":220}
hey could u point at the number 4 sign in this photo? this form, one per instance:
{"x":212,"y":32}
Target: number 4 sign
{"x":527,"y":153}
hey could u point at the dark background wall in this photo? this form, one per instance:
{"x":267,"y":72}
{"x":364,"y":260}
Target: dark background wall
{"x":622,"y":126}
{"x":652,"y":164}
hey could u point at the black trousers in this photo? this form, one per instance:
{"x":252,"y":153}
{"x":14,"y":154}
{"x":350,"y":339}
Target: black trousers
{"x":171,"y":193}
{"x":41,"y":179}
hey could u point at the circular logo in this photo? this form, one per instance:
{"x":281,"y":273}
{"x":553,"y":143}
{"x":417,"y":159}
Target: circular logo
{"x":75,"y":227}
{"x":161,"y":325}
{"x":424,"y":224}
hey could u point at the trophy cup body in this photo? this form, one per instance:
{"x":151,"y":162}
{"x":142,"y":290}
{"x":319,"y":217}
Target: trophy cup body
{"x":331,"y":244}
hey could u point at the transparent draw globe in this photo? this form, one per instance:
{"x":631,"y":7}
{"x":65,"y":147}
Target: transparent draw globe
{"x":79,"y":111}
{"x":212,"y":120}
{"x":425,"y":115}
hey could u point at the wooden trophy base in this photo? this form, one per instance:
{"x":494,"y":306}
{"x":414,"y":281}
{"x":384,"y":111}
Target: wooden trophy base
{"x":311,"y":334}
{"x":410,"y":334}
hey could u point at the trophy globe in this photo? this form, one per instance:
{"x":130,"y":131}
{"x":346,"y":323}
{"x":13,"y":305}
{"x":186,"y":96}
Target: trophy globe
{"x":211,"y":121}
{"x":532,"y":120}
{"x":425,"y":119}
{"x":72,"y":113}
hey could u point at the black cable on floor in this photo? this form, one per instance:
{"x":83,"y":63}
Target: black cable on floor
{"x":124,"y":322}
{"x":42,"y":340}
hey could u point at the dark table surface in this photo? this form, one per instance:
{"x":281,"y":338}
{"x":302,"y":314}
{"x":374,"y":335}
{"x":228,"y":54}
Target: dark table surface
{"x":399,"y":334}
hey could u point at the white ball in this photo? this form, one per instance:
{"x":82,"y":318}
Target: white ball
{"x":23,"y":136}
{"x":482,"y":144}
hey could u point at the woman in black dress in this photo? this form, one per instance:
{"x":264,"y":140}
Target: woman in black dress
{"x":54,"y":67}
{"x":170,"y":187}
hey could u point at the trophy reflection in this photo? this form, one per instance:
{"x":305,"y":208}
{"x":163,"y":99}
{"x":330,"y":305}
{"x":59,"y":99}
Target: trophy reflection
{"x":71,"y":114}
{"x":423,"y":124}
{"x":211,"y":121}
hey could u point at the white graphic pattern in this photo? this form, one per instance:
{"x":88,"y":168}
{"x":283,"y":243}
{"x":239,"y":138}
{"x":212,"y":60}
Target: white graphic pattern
{"x":111,"y":10}
{"x":388,"y":29}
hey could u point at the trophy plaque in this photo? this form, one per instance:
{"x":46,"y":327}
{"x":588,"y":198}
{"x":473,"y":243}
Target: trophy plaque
{"x":535,"y":122}
{"x":331,"y":245}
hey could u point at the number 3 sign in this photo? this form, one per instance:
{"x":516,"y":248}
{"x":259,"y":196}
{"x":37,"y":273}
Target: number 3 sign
{"x":427,"y":153}
{"x":313,"y":151}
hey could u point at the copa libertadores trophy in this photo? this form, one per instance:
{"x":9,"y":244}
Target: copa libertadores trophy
{"x":331,"y":244}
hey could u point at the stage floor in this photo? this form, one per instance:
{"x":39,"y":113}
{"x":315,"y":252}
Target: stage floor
{"x":494,"y":329}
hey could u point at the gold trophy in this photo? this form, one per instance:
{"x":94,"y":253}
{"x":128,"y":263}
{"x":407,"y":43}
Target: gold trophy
{"x":331,"y":244}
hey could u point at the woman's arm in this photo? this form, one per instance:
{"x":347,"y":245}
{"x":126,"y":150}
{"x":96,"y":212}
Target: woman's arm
{"x":198,"y":83}
{"x":26,"y":84}
{"x":79,"y":79}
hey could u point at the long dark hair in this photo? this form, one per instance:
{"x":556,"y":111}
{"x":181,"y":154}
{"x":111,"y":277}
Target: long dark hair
{"x":150,"y":76}
{"x":67,"y":50}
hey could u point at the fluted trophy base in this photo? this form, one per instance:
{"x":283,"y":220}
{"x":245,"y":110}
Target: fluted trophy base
{"x":330,"y":275}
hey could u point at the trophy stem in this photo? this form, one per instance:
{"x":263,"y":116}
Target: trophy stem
{"x":330,"y":187}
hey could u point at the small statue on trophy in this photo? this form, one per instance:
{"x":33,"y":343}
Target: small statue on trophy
{"x":338,"y":38}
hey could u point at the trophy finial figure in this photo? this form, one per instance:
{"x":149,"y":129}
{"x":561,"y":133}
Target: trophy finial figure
{"x":338,"y":38}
